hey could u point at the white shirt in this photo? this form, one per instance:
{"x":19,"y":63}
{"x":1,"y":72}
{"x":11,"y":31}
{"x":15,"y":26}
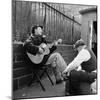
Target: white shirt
{"x":82,"y":56}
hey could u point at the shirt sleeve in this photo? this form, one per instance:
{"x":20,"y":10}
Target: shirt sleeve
{"x":44,"y":40}
{"x":31,"y":48}
{"x":82,"y":56}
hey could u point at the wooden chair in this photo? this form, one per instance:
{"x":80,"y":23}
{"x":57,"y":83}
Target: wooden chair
{"x":36,"y":70}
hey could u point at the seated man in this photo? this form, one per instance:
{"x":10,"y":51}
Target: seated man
{"x":80,"y":79}
{"x":32,"y":46}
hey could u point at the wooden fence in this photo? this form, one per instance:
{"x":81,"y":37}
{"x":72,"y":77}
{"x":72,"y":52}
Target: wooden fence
{"x":56,"y":24}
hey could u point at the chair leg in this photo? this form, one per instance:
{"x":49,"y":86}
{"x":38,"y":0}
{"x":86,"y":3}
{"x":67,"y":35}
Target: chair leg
{"x":29,"y":84}
{"x":49,"y":77}
{"x":40,"y":81}
{"x":42,"y":74}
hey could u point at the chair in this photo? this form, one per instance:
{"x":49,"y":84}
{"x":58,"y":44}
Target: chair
{"x":36,"y":70}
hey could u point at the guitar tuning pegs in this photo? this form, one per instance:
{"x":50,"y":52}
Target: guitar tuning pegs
{"x":60,"y":40}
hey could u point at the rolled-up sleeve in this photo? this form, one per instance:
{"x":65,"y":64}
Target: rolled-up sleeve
{"x":83,"y":56}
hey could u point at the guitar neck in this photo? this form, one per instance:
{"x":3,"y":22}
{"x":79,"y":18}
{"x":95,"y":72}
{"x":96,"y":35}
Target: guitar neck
{"x":50,"y":45}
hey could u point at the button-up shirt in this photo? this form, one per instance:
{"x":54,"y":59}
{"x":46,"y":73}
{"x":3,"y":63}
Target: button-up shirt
{"x":82,"y":56}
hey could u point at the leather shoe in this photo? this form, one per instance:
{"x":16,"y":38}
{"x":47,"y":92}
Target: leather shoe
{"x":59,"y":81}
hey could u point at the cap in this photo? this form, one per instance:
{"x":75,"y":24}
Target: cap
{"x":79,"y":43}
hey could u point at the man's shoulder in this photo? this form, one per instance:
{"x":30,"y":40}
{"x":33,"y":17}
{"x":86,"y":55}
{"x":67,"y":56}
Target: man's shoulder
{"x":28,"y":40}
{"x":43,"y":36}
{"x":85,"y":52}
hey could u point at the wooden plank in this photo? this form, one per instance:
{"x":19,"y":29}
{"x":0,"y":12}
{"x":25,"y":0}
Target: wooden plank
{"x":21,"y":34}
{"x":42,"y":12}
{"x":44,"y":20}
{"x":14,"y":20}
{"x":21,"y":72}
{"x":17,"y":20}
{"x":39,"y":13}
{"x":50,"y":26}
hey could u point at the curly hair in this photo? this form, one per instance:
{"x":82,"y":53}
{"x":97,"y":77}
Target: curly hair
{"x":35,"y":27}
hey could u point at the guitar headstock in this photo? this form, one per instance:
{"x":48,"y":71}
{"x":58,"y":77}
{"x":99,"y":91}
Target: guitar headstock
{"x":43,"y":45}
{"x":59,"y":41}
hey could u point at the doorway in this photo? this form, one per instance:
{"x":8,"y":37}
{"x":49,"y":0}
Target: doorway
{"x":94,"y":38}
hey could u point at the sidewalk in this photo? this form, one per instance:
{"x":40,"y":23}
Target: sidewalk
{"x":35,"y":91}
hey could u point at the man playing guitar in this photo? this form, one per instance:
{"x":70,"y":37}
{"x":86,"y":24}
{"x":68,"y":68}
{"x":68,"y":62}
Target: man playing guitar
{"x":41,"y":53}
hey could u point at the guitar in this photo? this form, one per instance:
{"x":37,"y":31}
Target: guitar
{"x":39,"y":57}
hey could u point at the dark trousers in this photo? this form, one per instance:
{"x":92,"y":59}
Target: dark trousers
{"x":79,"y":82}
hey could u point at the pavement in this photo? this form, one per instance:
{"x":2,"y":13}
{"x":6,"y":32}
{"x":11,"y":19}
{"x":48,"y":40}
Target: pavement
{"x":35,"y":90}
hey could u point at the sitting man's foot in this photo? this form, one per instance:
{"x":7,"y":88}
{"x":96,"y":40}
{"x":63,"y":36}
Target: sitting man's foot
{"x":59,"y":81}
{"x":67,"y":94}
{"x":65,"y":77}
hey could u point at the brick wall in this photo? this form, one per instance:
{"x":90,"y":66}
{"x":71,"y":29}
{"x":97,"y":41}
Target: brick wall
{"x":21,"y":69}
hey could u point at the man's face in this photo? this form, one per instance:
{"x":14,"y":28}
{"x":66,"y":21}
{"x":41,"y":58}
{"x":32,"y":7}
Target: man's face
{"x":76,"y":49}
{"x":79,"y":48}
{"x":38,"y":31}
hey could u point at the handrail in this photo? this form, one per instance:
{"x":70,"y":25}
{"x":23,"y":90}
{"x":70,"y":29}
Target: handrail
{"x":61,"y":13}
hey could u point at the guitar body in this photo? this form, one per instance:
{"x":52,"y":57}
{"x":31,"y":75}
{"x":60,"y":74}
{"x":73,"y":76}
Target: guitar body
{"x":38,"y":58}
{"x":35,"y":58}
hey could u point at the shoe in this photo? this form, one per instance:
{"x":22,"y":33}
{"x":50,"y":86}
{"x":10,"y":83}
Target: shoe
{"x":65,"y":77}
{"x":59,"y":81}
{"x":67,"y":94}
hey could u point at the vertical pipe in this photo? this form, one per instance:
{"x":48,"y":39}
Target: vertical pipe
{"x":90,"y":34}
{"x":73,"y":30}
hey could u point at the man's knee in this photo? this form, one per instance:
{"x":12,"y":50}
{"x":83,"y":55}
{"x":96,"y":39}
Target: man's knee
{"x":74,"y":74}
{"x":57,"y":54}
{"x":92,"y":76}
{"x":79,"y":75}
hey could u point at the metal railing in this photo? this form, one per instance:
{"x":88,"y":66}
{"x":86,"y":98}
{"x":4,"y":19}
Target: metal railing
{"x":56,"y":23}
